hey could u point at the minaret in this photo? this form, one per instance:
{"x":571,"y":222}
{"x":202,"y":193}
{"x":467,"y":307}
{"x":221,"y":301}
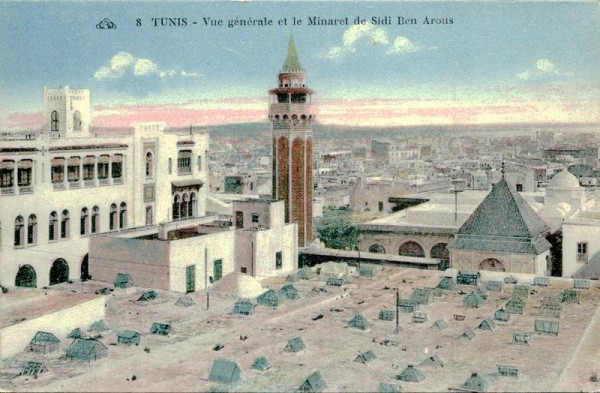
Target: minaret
{"x":291,"y":115}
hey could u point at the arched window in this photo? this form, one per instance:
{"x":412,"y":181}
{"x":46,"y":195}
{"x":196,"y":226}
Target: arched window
{"x":54,"y":121}
{"x":84,"y":222}
{"x":53,"y":227}
{"x":411,"y":249}
{"x":193,"y":206}
{"x":123,"y":216}
{"x":32,"y":229}
{"x":176,"y":205}
{"x":77,"y":121}
{"x":19,"y":231}
{"x":184,"y":206}
{"x":492,"y":264}
{"x":440,"y":251}
{"x":377,"y":249}
{"x":64,"y":225}
{"x":26,"y":277}
{"x":149,"y":164}
{"x":95,"y":219}
{"x":112,"y":218}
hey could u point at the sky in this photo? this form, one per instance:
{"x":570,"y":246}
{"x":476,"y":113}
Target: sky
{"x":477,"y":63}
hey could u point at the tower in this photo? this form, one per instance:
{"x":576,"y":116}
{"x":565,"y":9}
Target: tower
{"x":67,"y":112}
{"x":292,"y":115}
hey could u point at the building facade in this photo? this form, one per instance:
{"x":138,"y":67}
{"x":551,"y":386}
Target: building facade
{"x":292,"y":115}
{"x":60,"y":187}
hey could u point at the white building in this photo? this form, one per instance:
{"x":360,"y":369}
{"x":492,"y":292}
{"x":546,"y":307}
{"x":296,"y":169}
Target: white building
{"x":60,"y":188}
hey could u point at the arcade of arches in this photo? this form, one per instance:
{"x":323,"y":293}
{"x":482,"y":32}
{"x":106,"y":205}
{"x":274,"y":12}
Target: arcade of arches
{"x":414,"y":249}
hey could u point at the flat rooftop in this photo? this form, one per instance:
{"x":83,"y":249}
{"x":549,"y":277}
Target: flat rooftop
{"x":21,"y":304}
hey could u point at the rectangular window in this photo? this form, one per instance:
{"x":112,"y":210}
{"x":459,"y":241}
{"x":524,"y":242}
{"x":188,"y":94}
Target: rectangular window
{"x":278,"y":260}
{"x":243,"y":269}
{"x":254,"y":218}
{"x":199,"y":163}
{"x":88,"y":172}
{"x":380,"y":206}
{"x":519,"y":188}
{"x":24,"y":175}
{"x":57,"y":171}
{"x":170,"y":165}
{"x":190,"y":278}
{"x":73,"y":169}
{"x":103,"y":167}
{"x":117,"y":166}
{"x":184,"y":162}
{"x":582,"y":249}
{"x":6,"y":177}
{"x":218,"y":269}
{"x":239,"y":220}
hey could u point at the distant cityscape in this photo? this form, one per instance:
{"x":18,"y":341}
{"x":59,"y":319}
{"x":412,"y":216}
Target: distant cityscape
{"x":286,"y":223}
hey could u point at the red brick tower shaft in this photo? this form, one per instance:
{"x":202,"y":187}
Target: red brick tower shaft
{"x":292,"y":115}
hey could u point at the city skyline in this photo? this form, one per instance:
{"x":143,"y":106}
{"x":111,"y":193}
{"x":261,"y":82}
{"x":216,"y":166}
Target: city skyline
{"x":484,"y":62}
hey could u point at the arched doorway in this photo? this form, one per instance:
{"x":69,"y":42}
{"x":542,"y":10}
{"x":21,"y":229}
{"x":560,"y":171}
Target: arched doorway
{"x":59,"y":272}
{"x":377,"y":249}
{"x":440,"y":251}
{"x":85,"y":268}
{"x":26,"y":277}
{"x":411,"y":249}
{"x":492,"y":264}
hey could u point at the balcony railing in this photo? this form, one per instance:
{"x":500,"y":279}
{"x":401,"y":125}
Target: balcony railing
{"x":74,"y":184}
{"x":89,"y":183}
{"x":25,"y":190}
{"x":104,"y":182}
{"x":59,"y":186}
{"x":299,"y":108}
{"x":184,"y":170}
{"x":117,"y":180}
{"x":7,"y":191}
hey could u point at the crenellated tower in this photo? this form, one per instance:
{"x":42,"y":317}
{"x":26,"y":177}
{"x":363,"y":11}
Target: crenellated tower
{"x":292,"y":115}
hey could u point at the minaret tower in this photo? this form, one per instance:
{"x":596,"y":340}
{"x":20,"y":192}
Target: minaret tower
{"x":292,"y":115}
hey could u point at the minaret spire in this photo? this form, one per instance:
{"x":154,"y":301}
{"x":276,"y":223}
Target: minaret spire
{"x":292,"y":63}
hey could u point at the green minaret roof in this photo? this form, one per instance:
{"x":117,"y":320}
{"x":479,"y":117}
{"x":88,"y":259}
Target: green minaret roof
{"x":292,"y":64}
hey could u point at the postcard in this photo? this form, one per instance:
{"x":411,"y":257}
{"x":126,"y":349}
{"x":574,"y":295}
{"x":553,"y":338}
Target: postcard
{"x":299,"y":196}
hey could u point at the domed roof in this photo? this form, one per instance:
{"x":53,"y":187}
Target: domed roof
{"x":564,"y":180}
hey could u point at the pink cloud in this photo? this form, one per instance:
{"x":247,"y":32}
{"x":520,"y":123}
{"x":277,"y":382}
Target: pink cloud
{"x":359,"y":112}
{"x":24,"y":121}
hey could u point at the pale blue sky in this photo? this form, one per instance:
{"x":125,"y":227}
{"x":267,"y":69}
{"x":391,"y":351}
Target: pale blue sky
{"x":492,"y":51}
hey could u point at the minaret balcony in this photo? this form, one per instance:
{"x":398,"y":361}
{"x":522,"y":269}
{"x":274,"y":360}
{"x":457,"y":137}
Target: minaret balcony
{"x":292,"y":108}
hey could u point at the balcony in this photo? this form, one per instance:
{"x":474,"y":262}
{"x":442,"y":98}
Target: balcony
{"x":74,"y":185}
{"x":104,"y":182}
{"x":184,"y":170}
{"x":59,"y":186}
{"x":117,"y":181}
{"x":7,"y":191}
{"x":25,"y":190}
{"x":298,"y":108}
{"x":89,"y":183}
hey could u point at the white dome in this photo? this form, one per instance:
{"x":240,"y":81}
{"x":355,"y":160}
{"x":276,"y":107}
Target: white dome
{"x":564,"y":180}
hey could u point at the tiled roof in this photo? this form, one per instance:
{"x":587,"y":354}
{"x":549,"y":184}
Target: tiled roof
{"x":292,"y":63}
{"x":503,"y":222}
